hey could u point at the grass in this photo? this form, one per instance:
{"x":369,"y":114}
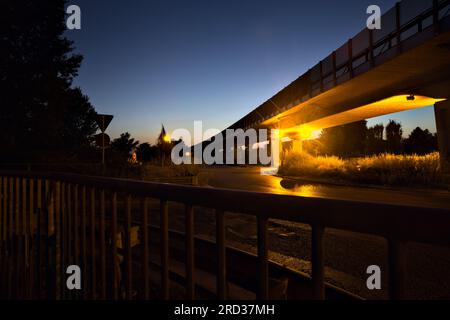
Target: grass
{"x":384,"y":169}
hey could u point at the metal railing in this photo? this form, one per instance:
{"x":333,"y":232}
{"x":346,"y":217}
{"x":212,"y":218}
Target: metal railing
{"x":49,"y":221}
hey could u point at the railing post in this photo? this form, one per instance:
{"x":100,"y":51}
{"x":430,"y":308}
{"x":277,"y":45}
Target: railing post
{"x":221,"y":255}
{"x":321,"y":75}
{"x":397,"y":269}
{"x":145,"y":249}
{"x":2,"y":240}
{"x":102,"y":246}
{"x":115,"y":271}
{"x":350,"y":57}
{"x":334,"y":69}
{"x":398,"y":27}
{"x":11,"y":237}
{"x":62,"y":241}
{"x":127,"y":247}
{"x":29,"y":239}
{"x":164,"y":228}
{"x":92,"y":243}
{"x":263,"y":263}
{"x":76,"y":226}
{"x":50,"y":210}
{"x":436,"y":17}
{"x":68,"y":231}
{"x":57,"y":243}
{"x":190,"y":253}
{"x":37,"y":246}
{"x":371,"y":54}
{"x":317,"y":260}
{"x":18,"y":240}
{"x":84,"y":242}
{"x":24,"y":240}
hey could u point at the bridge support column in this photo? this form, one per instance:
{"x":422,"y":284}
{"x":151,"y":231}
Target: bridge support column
{"x":442,"y":116}
{"x":297,"y":145}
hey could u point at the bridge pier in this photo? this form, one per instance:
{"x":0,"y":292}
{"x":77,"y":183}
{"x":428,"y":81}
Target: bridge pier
{"x":297,"y":145}
{"x":442,"y":116}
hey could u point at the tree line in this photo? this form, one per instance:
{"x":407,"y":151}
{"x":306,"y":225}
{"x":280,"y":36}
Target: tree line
{"x":356,"y":139}
{"x":158,"y":153}
{"x":43,"y":116}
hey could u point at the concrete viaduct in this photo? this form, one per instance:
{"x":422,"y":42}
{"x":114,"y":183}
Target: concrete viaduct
{"x":402,"y":66}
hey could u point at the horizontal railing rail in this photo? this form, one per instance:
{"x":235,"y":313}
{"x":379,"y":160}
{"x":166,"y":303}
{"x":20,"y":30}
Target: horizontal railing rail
{"x":52,"y":220}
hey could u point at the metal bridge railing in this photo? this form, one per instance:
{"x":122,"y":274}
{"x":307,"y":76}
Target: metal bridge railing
{"x":49,"y":221}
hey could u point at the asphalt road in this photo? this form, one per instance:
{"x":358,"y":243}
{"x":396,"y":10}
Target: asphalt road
{"x":250,"y":179}
{"x":347,"y":254}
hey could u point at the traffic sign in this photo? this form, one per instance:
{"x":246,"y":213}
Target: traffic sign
{"x":103,"y":121}
{"x":102,"y":140}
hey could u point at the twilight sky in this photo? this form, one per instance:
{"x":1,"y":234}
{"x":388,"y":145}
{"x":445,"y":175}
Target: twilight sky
{"x":149,"y":62}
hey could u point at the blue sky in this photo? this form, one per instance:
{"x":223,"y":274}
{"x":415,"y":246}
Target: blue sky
{"x":173,"y":62}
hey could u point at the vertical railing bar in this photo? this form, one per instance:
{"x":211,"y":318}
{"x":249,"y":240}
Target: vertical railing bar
{"x":190,"y":253}
{"x":371,"y":54}
{"x":350,"y":57}
{"x":18,"y":239}
{"x":23,"y":236}
{"x":321,"y":75}
{"x":397,"y":269}
{"x":164,"y":221}
{"x":398,"y":26}
{"x":58,"y":240}
{"x":68,"y":229}
{"x":84,"y":242}
{"x":62,"y":241}
{"x":29,"y":239}
{"x":6,"y":238}
{"x":221,"y":285}
{"x":317,"y":261}
{"x":2,"y":243}
{"x":436,"y":16}
{"x":7,"y":195}
{"x":114,"y":247}
{"x":128,"y":261}
{"x":263,"y":256}
{"x":93,"y":255}
{"x":50,"y":205}
{"x":420,"y":24}
{"x":10,"y":237}
{"x":102,"y":246}
{"x":334,"y":69}
{"x":76,"y":226}
{"x":38,"y":240}
{"x":145,"y":248}
{"x":1,"y":233}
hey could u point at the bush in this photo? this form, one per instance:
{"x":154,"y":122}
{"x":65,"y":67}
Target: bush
{"x":385,"y":169}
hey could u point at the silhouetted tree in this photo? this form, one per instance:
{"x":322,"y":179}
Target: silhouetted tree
{"x":146,"y":152}
{"x":375,"y":143}
{"x":420,"y":142}
{"x":40,"y":113}
{"x":394,"y":134}
{"x":346,"y":140}
{"x":124,"y":145}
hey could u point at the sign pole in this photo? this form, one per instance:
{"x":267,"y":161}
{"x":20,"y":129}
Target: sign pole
{"x":103,"y":121}
{"x":103,"y":143}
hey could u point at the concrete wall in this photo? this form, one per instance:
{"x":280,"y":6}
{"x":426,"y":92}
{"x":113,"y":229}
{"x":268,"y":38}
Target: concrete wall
{"x":442,"y":114}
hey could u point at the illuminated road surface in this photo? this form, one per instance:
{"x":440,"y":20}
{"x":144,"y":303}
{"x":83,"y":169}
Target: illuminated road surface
{"x":249,"y":178}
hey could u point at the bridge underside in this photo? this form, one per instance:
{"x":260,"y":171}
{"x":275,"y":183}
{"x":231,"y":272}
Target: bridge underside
{"x":422,"y":71}
{"x":417,"y":78}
